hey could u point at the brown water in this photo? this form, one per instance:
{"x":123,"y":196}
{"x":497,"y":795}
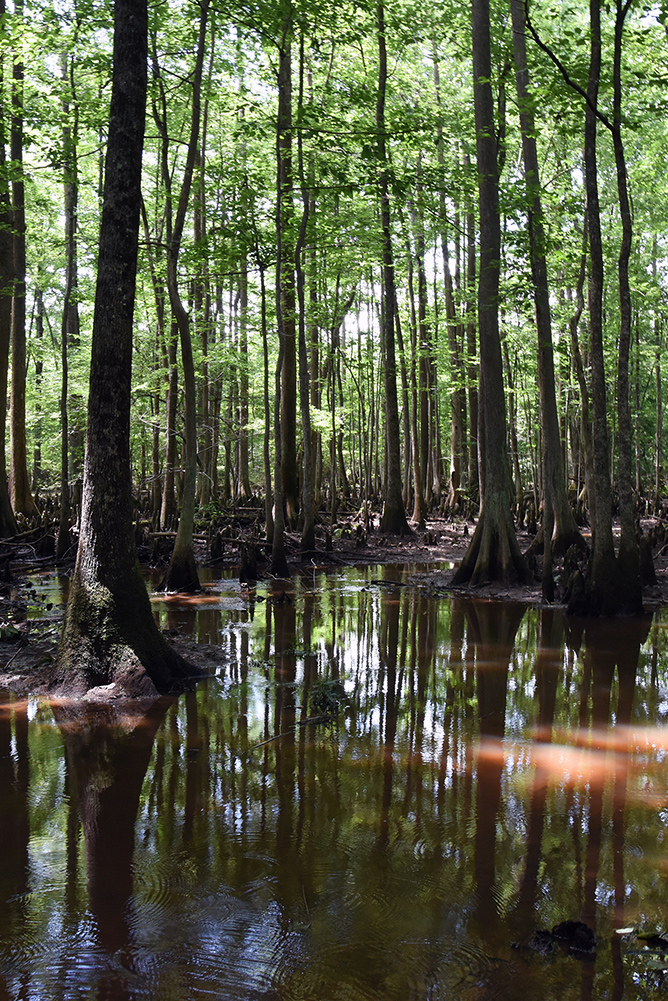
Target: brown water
{"x":495,"y":771}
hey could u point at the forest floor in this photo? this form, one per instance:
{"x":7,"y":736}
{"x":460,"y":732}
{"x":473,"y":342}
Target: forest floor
{"x":28,"y":644}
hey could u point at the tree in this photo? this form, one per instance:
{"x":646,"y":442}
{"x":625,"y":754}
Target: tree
{"x":7,"y":520}
{"x":559,"y":528}
{"x":494,"y":553}
{"x":182,"y":571}
{"x":19,"y":481}
{"x":613,"y":582}
{"x":109,"y":633}
{"x":394,"y":512}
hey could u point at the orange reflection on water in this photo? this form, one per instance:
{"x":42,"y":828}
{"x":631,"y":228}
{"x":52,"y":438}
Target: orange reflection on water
{"x":564,"y":763}
{"x":13,"y":705}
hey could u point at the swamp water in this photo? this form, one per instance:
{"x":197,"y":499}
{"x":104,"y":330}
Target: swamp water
{"x":493,"y":771}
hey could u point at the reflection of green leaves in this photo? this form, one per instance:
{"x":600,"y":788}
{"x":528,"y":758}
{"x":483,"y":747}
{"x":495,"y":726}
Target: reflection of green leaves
{"x":328,"y":697}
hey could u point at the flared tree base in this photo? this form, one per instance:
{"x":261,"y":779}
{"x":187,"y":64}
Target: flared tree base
{"x":494,"y":554}
{"x":112,"y":647}
{"x":394,"y":522}
{"x":182,"y":576}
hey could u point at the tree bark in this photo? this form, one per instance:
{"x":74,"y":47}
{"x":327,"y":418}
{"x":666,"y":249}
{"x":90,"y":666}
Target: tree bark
{"x":555,"y":496}
{"x":602,"y":580}
{"x":285,"y":284}
{"x":182,"y":573}
{"x":19,"y":481}
{"x":109,"y":633}
{"x":8,"y":525}
{"x":69,"y":328}
{"x":628,"y":559}
{"x":494,"y":553}
{"x":393,"y":519}
{"x":308,"y":502}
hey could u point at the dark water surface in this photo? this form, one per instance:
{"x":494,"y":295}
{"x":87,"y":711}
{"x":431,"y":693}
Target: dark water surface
{"x":496,"y":771}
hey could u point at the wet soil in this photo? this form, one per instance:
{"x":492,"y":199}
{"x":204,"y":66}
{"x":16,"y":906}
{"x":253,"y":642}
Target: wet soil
{"x":28,"y":647}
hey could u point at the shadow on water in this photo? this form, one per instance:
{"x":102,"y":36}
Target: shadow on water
{"x":491,"y":772}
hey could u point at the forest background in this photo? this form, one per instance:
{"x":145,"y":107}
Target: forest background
{"x":346,"y":257}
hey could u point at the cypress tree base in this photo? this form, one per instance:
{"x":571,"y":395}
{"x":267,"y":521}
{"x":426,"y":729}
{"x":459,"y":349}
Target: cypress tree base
{"x":110,"y":638}
{"x":494,"y":554}
{"x":181,"y":576}
{"x":393,"y":521}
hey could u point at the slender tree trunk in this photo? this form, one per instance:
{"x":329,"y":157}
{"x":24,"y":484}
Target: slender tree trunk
{"x":269,"y":517}
{"x":308,"y":504}
{"x":393,"y":518}
{"x":628,"y":558}
{"x":603,"y":591}
{"x":7,"y":521}
{"x":168,"y":509}
{"x":472,"y":365}
{"x":286,"y":279}
{"x":182,"y":573}
{"x":555,"y":497}
{"x":201,"y":302}
{"x":658,"y":467}
{"x":245,"y":490}
{"x":458,"y":394}
{"x":37,"y":471}
{"x":69,"y":331}
{"x":19,"y":481}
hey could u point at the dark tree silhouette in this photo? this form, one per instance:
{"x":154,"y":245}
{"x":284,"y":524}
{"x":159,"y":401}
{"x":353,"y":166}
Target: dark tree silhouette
{"x":109,"y":633}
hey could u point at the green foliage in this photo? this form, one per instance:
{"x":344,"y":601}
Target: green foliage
{"x":334,"y":104}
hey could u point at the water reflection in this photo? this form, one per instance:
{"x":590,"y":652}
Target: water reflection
{"x":494,"y":772}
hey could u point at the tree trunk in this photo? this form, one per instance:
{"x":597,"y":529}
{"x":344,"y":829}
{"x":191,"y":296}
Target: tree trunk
{"x":285,"y":280}
{"x":7,"y":521}
{"x":245,"y":490}
{"x":182,"y":573}
{"x":494,"y":553}
{"x":555,"y":497}
{"x":393,"y":519}
{"x":308,"y":504}
{"x":658,"y":467}
{"x":628,"y":559}
{"x":19,"y":481}
{"x":69,"y":328}
{"x":109,"y":633}
{"x":472,"y":366}
{"x":602,"y":581}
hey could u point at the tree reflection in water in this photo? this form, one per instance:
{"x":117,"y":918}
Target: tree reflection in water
{"x":107,"y":751}
{"x":495,"y":771}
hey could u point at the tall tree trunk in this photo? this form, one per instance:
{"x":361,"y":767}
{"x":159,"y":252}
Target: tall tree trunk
{"x":602,"y":582}
{"x":37,"y":471}
{"x":245,"y":490}
{"x":182,"y":573}
{"x":393,"y":519}
{"x":285,"y":283}
{"x":308,"y":504}
{"x":472,"y":365}
{"x":19,"y":481}
{"x":494,"y":553}
{"x":628,"y":559}
{"x":7,"y":521}
{"x":555,"y":497}
{"x":458,"y":394}
{"x":109,"y":633}
{"x":168,"y":508}
{"x":69,"y":329}
{"x":658,"y":467}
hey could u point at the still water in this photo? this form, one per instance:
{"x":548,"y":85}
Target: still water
{"x":493,"y":771}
